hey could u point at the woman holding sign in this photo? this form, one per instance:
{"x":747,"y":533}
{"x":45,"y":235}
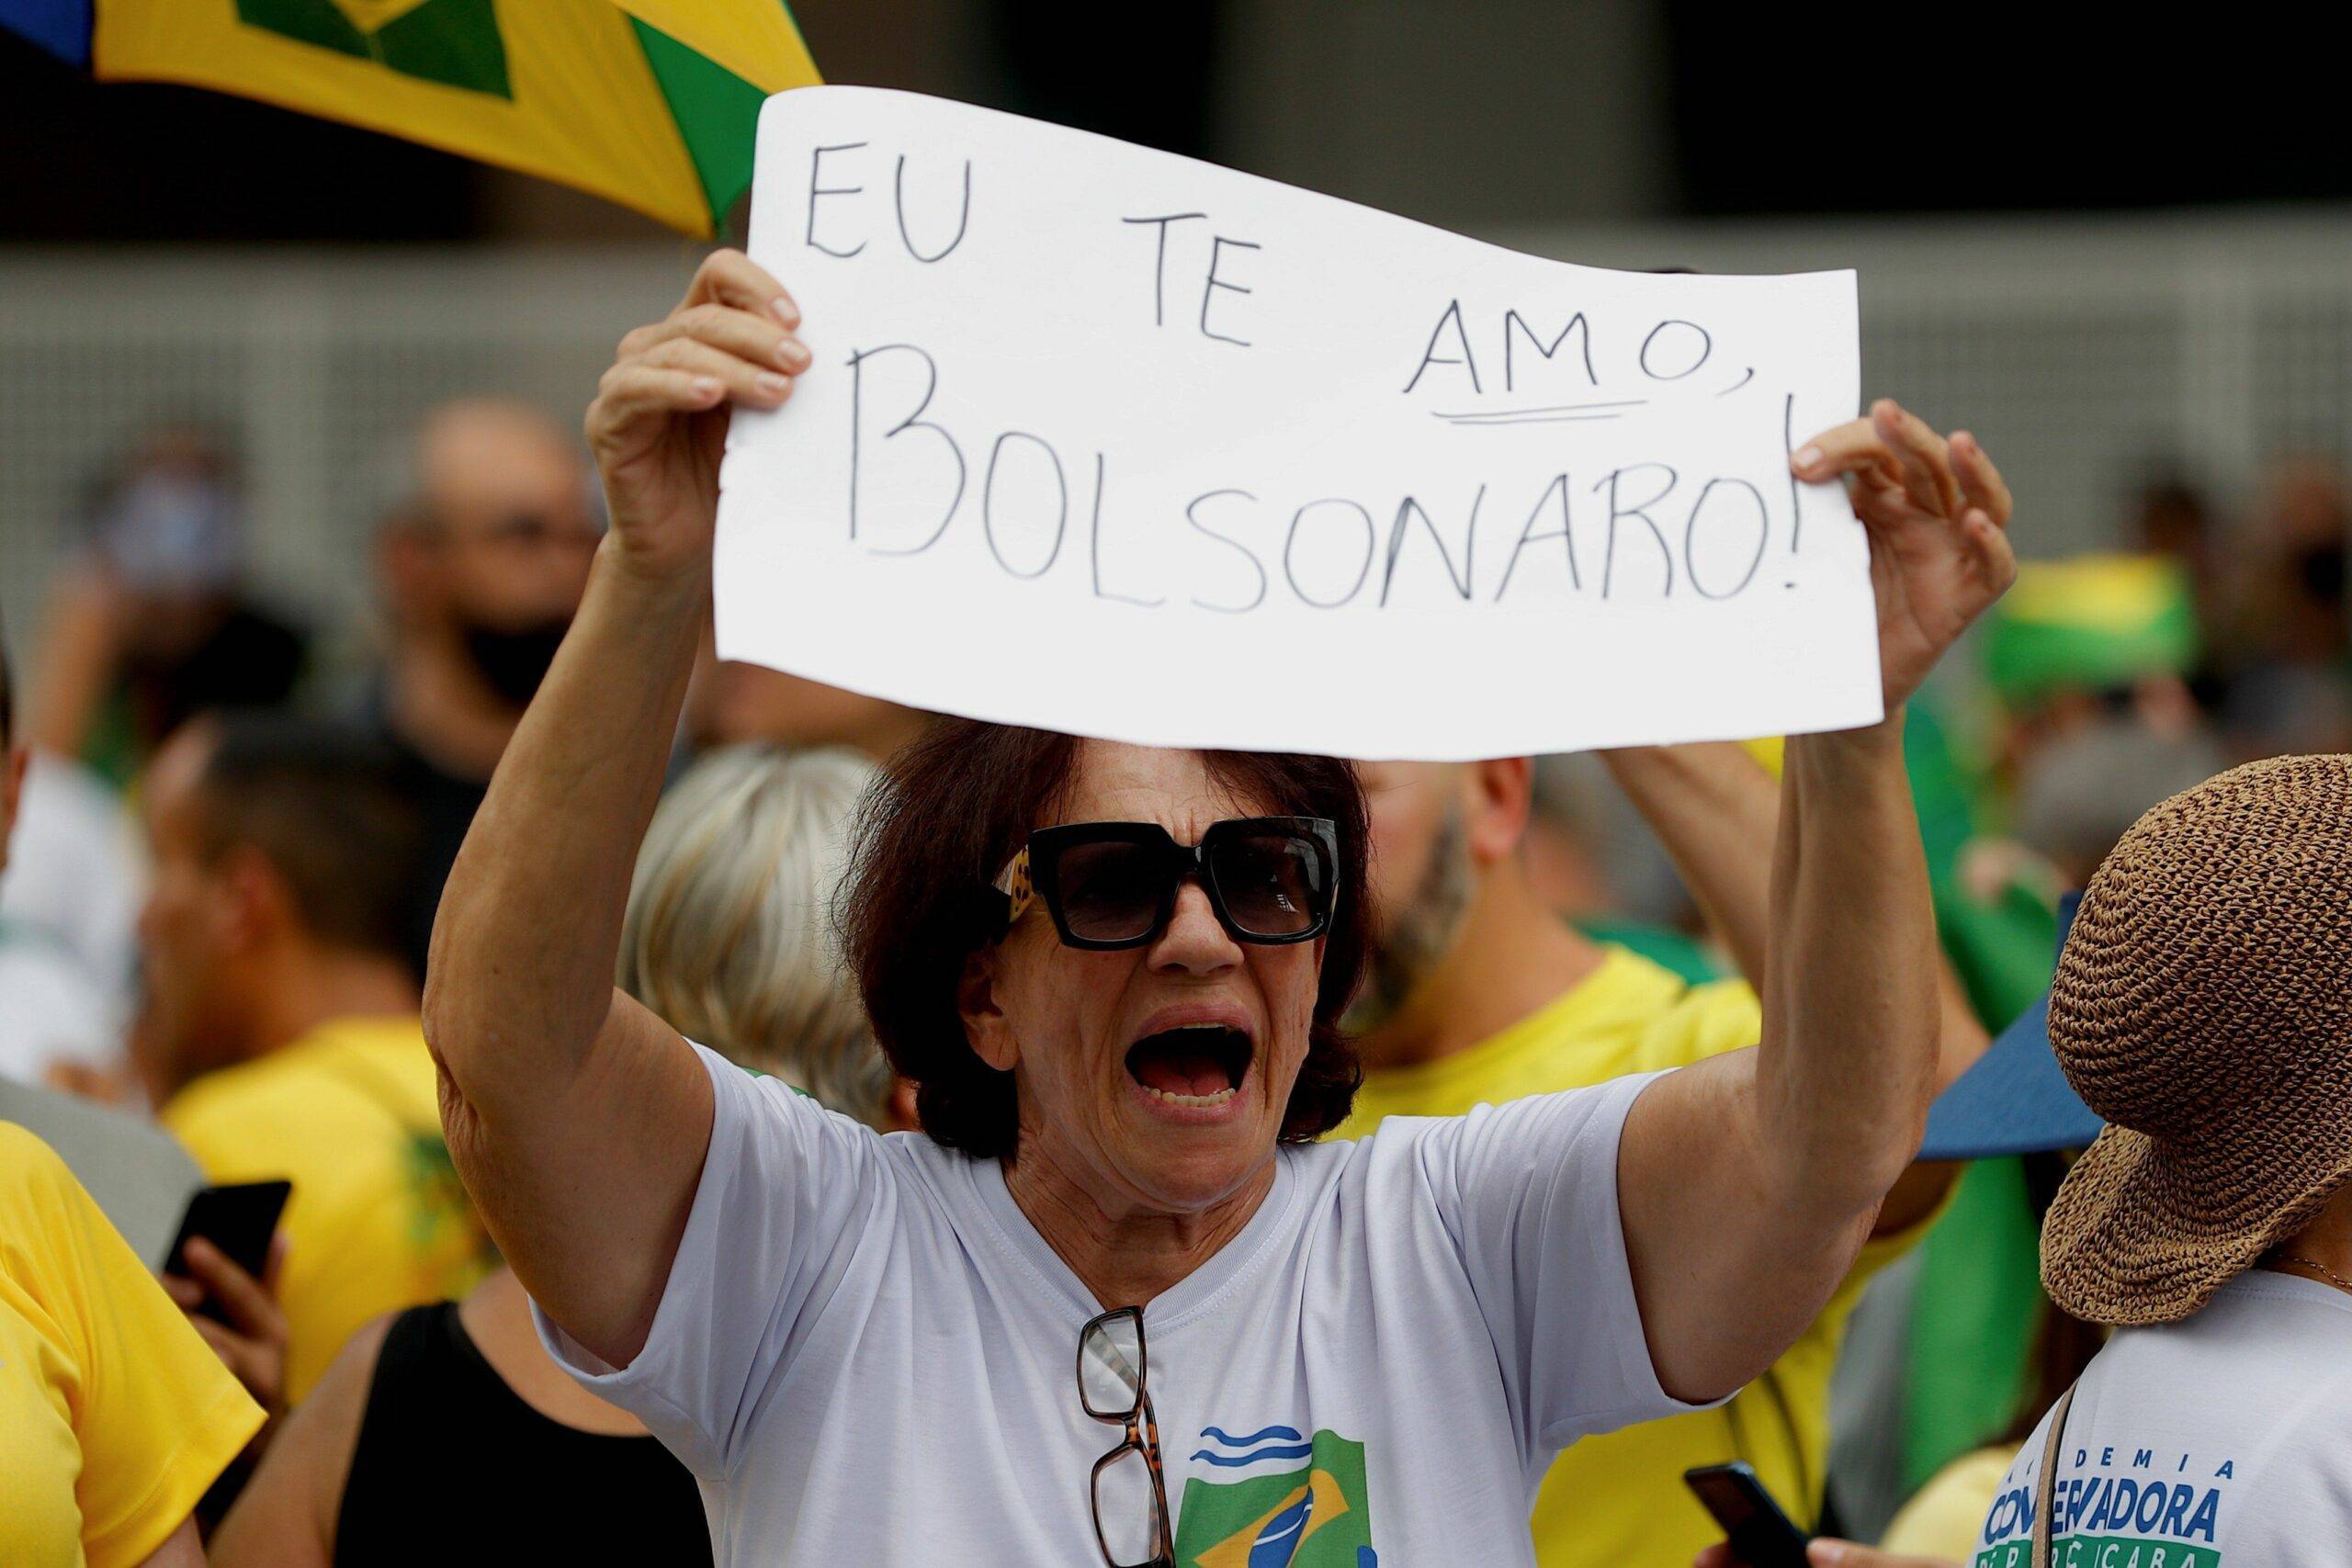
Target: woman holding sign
{"x":1113,"y":1299}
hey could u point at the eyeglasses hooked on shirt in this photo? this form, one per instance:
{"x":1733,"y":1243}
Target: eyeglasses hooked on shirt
{"x":1128,"y":1491}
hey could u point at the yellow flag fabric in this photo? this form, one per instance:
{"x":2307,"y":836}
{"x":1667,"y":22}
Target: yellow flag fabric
{"x":557,"y":88}
{"x":757,"y":43}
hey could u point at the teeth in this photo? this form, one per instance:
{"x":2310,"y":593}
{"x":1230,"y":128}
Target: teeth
{"x":1198,"y":1100}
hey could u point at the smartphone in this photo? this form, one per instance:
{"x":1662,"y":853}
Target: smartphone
{"x":1760,"y":1534}
{"x":238,"y":1219}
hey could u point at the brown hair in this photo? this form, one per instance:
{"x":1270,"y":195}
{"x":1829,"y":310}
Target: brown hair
{"x":952,"y":809}
{"x":322,"y":802}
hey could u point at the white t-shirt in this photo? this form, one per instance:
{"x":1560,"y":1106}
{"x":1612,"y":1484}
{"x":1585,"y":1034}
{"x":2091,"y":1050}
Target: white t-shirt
{"x":866,"y":1354}
{"x":2223,"y":1441}
{"x":68,"y":901}
{"x":77,"y":871}
{"x":49,"y":1011}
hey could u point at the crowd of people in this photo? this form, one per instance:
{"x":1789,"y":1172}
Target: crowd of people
{"x":1417,"y":1163}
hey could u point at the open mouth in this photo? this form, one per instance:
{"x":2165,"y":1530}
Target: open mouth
{"x":1199,"y":1064}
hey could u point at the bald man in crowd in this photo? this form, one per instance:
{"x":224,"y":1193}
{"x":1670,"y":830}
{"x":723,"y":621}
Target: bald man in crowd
{"x":482,"y":564}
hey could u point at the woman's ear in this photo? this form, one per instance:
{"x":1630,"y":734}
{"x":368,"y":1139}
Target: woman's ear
{"x":985,"y":1024}
{"x":899,"y":1109}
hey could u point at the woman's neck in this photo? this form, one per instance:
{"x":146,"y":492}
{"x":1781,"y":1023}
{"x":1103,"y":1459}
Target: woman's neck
{"x":1124,"y":1253}
{"x":2323,"y":1248}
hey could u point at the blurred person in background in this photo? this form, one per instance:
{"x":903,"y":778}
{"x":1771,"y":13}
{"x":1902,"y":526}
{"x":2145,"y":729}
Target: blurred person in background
{"x":2172,"y":516}
{"x":1565,"y":868}
{"x":2293,"y":689}
{"x":155,"y":622}
{"x":1940,"y":1523}
{"x":2173,"y":519}
{"x":734,"y":704}
{"x":1479,"y":993}
{"x":71,"y":881}
{"x":55,"y":1005}
{"x":2090,"y":658}
{"x":482,"y":564}
{"x":114,"y":1417}
{"x":1591,"y":859}
{"x":2080,"y":791}
{"x":281,"y":1036}
{"x":728,"y":934}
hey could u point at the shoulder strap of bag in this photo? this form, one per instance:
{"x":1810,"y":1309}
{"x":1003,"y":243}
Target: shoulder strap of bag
{"x":2052,"y":1446}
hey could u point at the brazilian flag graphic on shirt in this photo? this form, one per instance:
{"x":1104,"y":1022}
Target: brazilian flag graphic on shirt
{"x":1303,"y":1504}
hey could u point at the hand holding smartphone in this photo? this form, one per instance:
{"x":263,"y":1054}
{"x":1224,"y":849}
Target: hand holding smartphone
{"x":239,"y":1220}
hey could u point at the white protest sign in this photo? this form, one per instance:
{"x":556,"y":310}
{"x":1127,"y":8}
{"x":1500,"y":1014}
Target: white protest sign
{"x":1108,"y":441}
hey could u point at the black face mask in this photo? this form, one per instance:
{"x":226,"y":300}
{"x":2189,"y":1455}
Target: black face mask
{"x":514,"y":662}
{"x":2320,"y":570}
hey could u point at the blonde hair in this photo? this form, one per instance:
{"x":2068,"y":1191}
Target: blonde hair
{"x":730,"y":933}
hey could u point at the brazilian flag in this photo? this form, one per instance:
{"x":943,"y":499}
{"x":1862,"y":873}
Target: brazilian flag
{"x":649,"y":103}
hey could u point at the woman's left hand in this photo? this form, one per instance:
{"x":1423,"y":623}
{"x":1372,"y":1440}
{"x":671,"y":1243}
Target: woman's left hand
{"x":1937,"y":513}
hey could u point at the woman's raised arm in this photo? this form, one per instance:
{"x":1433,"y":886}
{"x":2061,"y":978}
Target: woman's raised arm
{"x":1746,"y":1183}
{"x":578,"y":1118}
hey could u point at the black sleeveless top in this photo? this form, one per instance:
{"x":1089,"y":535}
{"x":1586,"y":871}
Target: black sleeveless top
{"x":453,"y":1467}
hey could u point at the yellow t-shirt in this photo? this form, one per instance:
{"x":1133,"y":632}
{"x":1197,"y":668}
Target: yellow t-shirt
{"x":114,"y":1416}
{"x":350,"y":1113}
{"x":1618,"y":1501}
{"x":1946,"y":1517}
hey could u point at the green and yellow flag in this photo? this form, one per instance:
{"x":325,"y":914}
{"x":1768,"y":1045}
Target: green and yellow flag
{"x":650,"y":103}
{"x":2089,"y":622}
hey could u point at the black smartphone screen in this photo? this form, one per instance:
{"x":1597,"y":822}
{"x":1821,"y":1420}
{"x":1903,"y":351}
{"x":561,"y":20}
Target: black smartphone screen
{"x":238,"y":1219}
{"x":1760,"y":1534}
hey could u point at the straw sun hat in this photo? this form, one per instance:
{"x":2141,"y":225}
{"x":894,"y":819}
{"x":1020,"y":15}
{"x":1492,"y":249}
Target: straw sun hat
{"x":2203,"y":1006}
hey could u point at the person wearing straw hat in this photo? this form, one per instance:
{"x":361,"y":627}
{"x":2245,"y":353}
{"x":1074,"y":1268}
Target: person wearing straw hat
{"x":2203,"y":1007}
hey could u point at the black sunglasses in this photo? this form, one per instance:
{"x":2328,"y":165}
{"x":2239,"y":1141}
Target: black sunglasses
{"x":1111,"y":884}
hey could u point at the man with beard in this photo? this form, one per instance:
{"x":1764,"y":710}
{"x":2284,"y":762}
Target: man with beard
{"x":482,"y":567}
{"x":1479,"y":993}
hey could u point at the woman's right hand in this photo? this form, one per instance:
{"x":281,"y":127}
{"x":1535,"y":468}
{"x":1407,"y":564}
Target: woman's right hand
{"x":658,"y":424}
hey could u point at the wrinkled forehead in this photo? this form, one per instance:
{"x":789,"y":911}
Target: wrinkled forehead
{"x":1113,"y":782}
{"x":1387,"y":778}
